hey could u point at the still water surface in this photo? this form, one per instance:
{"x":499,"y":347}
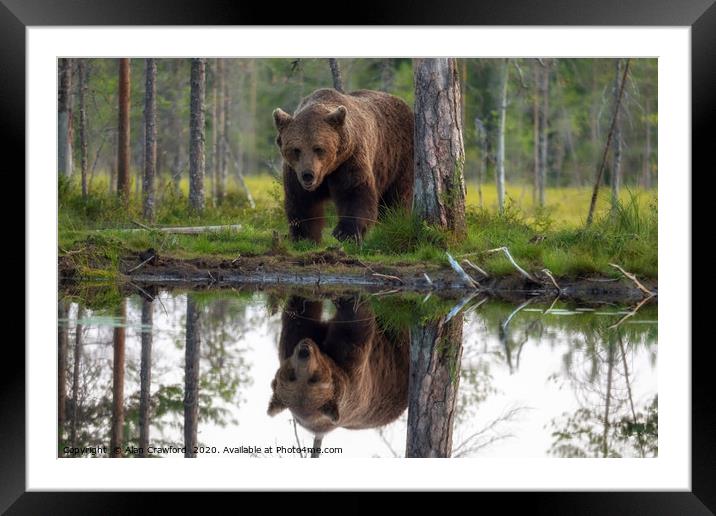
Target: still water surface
{"x":254,"y":374}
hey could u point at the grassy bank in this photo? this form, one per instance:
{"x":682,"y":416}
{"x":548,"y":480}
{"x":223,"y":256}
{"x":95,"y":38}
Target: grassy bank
{"x":552,"y":237}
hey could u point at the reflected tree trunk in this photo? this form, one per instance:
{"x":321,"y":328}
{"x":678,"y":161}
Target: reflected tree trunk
{"x":435,"y":353}
{"x":607,"y":405}
{"x":145,"y":376}
{"x":317,"y":443}
{"x":76,"y":375}
{"x":61,"y":368}
{"x":439,"y":192}
{"x":191,"y":376}
{"x":118,"y":343}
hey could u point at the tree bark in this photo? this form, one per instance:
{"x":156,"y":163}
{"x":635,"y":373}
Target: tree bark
{"x":250,"y":140}
{"x":647,"y":149}
{"x":64,"y":118}
{"x":211,"y":167}
{"x":76,"y":375}
{"x":123,"y":132}
{"x":226,"y":126}
{"x":336,"y":74}
{"x":600,"y":170}
{"x":500,"y":169}
{"x":196,"y":142}
{"x":82,"y":91}
{"x":176,"y":129}
{"x":610,"y":369}
{"x":617,"y":153}
{"x":118,"y":342}
{"x":219,"y":158}
{"x":145,"y":376}
{"x":150,"y":138}
{"x":191,"y":376}
{"x":542,"y":128}
{"x":61,"y":369}
{"x":439,"y":193}
{"x":435,"y":353}
{"x":387,"y":74}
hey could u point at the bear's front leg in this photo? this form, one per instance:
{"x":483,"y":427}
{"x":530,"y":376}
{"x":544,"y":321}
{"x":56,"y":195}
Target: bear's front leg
{"x":357,"y":211}
{"x":304,"y":210}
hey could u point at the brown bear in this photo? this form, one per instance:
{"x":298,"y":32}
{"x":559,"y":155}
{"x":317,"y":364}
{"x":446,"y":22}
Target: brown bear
{"x":345,"y":372}
{"x":355,"y":149}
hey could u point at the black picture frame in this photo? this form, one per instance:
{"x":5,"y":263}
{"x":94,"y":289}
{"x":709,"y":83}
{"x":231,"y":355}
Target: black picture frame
{"x":700,"y":15}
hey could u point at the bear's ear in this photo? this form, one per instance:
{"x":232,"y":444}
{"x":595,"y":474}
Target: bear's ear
{"x":281,"y":119}
{"x":275,"y":406}
{"x":330,"y":409}
{"x":337,"y":117}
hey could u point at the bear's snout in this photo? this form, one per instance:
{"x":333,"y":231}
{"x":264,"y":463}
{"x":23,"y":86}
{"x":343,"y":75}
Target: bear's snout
{"x":303,"y":350}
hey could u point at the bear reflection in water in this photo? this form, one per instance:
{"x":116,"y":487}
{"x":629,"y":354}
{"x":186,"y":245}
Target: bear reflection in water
{"x":346,"y":372}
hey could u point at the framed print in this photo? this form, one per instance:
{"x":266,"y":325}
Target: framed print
{"x":447,"y":250}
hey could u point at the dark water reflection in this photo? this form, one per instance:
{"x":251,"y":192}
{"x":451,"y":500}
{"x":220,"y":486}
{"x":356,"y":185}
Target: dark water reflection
{"x":356,"y":374}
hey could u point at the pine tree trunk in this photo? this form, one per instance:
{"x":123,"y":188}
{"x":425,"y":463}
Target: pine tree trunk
{"x":647,"y":149}
{"x":336,"y":74}
{"x":212,"y":168}
{"x":500,"y":168}
{"x":64,"y":118}
{"x":250,"y":145}
{"x":123,"y":132}
{"x":536,"y":69}
{"x":387,"y":74}
{"x":76,"y":375}
{"x":176,"y":130}
{"x":150,"y":138}
{"x":118,"y":342}
{"x":616,"y":176}
{"x":196,"y":142}
{"x":219,"y":130}
{"x":62,"y":338}
{"x":145,"y":376}
{"x":82,"y":90}
{"x":191,"y":376}
{"x":543,"y":113}
{"x":226,"y":126}
{"x":439,"y":192}
{"x":435,"y":353}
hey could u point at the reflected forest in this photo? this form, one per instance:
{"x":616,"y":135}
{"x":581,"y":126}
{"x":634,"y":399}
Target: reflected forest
{"x":305,"y":374}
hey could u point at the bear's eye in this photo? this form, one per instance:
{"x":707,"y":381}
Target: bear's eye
{"x":291,"y":376}
{"x":319,"y":151}
{"x":313,"y":379}
{"x":296,"y":153}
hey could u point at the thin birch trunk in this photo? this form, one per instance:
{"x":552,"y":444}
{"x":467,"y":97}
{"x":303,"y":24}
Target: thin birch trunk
{"x":62,"y":338}
{"x":76,"y":375}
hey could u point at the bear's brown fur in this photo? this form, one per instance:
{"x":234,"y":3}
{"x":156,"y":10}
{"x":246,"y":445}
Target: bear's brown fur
{"x":342,"y":373}
{"x":355,"y":149}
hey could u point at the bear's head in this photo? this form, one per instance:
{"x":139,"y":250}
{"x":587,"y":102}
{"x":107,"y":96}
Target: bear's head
{"x":309,"y":384}
{"x":311,"y":142}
